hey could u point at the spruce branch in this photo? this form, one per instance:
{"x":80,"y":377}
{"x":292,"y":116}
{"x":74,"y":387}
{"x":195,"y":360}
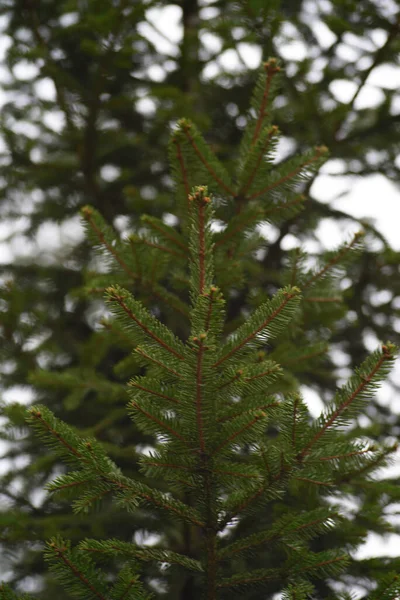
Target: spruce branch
{"x":239,"y":224}
{"x":142,"y":352}
{"x":243,"y":505}
{"x":236,"y":377}
{"x":201,"y":242}
{"x":137,"y":384}
{"x":206,"y":157}
{"x":380,"y":458}
{"x":163,"y":249}
{"x":201,"y":200}
{"x":253,"y":215}
{"x":45,"y":423}
{"x":129,"y":491}
{"x":244,"y":427}
{"x":285,"y":209}
{"x":160,"y":423}
{"x":337,"y":259}
{"x":114,"y":547}
{"x":165,"y":232}
{"x":271,"y":68}
{"x":289,"y":528}
{"x":91,"y":216}
{"x":320,"y":152}
{"x":145,"y":324}
{"x":87,"y":581}
{"x":265,"y":141}
{"x":389,"y":588}
{"x":257,"y":408}
{"x":362,"y":383}
{"x":267,"y":322}
{"x":298,"y":591}
{"x":6,"y":593}
{"x":256,"y":576}
{"x":199,"y":392}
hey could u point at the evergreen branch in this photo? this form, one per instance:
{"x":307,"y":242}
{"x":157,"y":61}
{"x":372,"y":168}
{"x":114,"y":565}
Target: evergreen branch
{"x":237,"y":474}
{"x":120,"y":296}
{"x":252,"y":376}
{"x":199,"y":389}
{"x":271,"y":68}
{"x":334,"y":261}
{"x":282,"y":529}
{"x":241,"y":413}
{"x":236,"y":377}
{"x":114,"y":546}
{"x":87,"y":213}
{"x":145,"y":355}
{"x":160,"y":423}
{"x":118,"y":332}
{"x":273,"y":132}
{"x":295,"y":406}
{"x":246,"y":543}
{"x":252,"y":215}
{"x":379,"y":461}
{"x":347,"y":454}
{"x":388,"y":588}
{"x":201,"y":201}
{"x":128,"y":585}
{"x":301,"y":590}
{"x":153,"y":463}
{"x":167,"y":297}
{"x":284,"y":297}
{"x":245,"y":220}
{"x":324,"y":563}
{"x":298,"y":357}
{"x":57,"y":486}
{"x":365,"y":381}
{"x":162,"y":248}
{"x":61,"y":553}
{"x":285,"y":205}
{"x":255,"y":576}
{"x":7,"y":594}
{"x":241,"y":507}
{"x":83,"y":504}
{"x":233,"y":436}
{"x":134,"y":488}
{"x":165,"y":231}
{"x":36,"y":414}
{"x":211,"y":298}
{"x":125,"y":593}
{"x":319,"y":151}
{"x":275,"y":369}
{"x":315,"y":481}
{"x":135,"y":384}
{"x":186,"y":127}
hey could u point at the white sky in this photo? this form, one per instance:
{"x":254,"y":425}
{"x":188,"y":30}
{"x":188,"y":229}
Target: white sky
{"x":372,"y":197}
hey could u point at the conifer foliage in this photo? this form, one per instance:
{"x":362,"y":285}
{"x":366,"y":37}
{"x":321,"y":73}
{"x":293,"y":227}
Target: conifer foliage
{"x":233,"y":439}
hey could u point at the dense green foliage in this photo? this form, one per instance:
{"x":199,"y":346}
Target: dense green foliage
{"x":232,"y":437}
{"x":57,"y":152}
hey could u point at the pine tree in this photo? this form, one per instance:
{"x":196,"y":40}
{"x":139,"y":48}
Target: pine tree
{"x":236,"y":465}
{"x":48,"y":318}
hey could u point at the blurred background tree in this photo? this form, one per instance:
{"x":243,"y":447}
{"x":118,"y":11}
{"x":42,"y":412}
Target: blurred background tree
{"x":91,"y":91}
